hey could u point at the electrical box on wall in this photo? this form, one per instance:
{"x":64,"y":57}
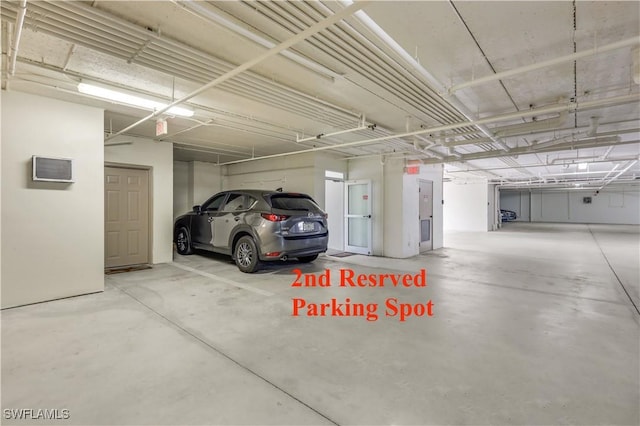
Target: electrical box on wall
{"x":52,"y":169}
{"x":586,"y":200}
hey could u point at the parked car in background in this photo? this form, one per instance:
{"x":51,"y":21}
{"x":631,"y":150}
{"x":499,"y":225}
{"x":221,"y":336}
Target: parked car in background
{"x":255,"y":226}
{"x":507,"y":215}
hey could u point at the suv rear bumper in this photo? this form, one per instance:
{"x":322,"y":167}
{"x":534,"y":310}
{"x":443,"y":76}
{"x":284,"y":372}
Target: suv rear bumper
{"x":287,"y":248}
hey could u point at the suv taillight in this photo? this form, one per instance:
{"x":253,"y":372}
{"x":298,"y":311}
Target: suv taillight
{"x":274,"y":217}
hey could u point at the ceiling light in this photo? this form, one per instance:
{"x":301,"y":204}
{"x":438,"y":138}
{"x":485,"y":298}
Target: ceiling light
{"x":582,"y":166}
{"x":112,"y":95}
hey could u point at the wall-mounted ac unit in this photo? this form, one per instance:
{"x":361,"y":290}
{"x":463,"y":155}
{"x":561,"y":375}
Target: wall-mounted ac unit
{"x":52,"y":169}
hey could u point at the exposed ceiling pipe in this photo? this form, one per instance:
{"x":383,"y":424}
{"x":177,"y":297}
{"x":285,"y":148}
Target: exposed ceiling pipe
{"x":188,"y":129}
{"x":573,"y":184}
{"x":453,"y":152}
{"x":571,"y":106}
{"x":593,"y":127}
{"x":430,"y":79}
{"x":620,"y":173}
{"x":635,"y":61}
{"x":567,"y":146}
{"x":15,"y":41}
{"x":531,"y":127}
{"x":570,"y":161}
{"x":362,"y":126}
{"x":197,"y":9}
{"x":530,"y":166}
{"x":615,"y":167}
{"x":101,"y":31}
{"x":533,"y":130}
{"x":608,"y":151}
{"x":575,"y":138}
{"x":317,"y":27}
{"x":372,"y":64}
{"x":567,"y":58}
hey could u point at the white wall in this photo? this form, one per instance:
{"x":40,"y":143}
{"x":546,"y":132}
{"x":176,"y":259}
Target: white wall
{"x":465,"y":206}
{"x":182,"y":194}
{"x":52,"y":233}
{"x":612,"y":205}
{"x":158,"y":156}
{"x":294,"y":173}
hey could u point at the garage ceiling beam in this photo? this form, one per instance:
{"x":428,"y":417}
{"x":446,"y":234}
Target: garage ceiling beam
{"x":314,"y":29}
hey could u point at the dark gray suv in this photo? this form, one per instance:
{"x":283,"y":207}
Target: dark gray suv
{"x":254,"y":226}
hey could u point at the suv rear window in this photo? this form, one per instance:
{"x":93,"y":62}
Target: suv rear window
{"x":293,"y":202}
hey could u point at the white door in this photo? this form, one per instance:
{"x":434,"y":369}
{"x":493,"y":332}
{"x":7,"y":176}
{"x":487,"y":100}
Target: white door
{"x":426,"y":214}
{"x":357,"y":216}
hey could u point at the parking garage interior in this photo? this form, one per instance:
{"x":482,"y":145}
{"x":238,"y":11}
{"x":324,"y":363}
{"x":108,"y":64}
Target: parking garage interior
{"x":478,"y":163}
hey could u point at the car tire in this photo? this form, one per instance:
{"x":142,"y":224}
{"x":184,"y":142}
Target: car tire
{"x":307,"y":259}
{"x":246,"y":255}
{"x":183,"y":241}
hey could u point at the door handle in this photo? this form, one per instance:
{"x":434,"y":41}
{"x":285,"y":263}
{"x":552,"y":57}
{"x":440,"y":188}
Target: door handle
{"x":368,"y":216}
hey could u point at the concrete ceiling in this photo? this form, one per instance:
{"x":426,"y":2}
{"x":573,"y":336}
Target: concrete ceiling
{"x":395,"y":65}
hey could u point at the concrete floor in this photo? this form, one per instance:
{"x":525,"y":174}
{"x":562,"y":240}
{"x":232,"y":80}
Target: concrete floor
{"x":531,"y":325}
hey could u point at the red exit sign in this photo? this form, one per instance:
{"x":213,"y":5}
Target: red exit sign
{"x":412,"y":170}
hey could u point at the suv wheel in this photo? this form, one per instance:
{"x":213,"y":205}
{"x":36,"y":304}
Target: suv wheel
{"x":183,"y":241}
{"x":246,"y":254}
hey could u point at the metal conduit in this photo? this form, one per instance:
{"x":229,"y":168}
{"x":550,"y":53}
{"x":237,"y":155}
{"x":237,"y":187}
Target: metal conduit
{"x":169,"y":49}
{"x":398,"y":71}
{"x":330,"y":43}
{"x":375,"y":70}
{"x":77,"y":28}
{"x":571,"y":106}
{"x":313,"y":29}
{"x":378,"y":70}
{"x":208,"y":63}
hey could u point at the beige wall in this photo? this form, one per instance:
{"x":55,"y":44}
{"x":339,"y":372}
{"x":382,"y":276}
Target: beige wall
{"x":52,"y":233}
{"x":181,"y":201}
{"x":295,"y":173}
{"x":158,"y":156}
{"x":207,"y":180}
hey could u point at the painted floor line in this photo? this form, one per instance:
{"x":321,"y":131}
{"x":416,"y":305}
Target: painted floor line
{"x":224,"y":280}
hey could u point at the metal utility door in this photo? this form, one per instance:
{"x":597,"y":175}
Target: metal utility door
{"x":358,"y":216}
{"x":425,"y":211}
{"x":126,"y":214}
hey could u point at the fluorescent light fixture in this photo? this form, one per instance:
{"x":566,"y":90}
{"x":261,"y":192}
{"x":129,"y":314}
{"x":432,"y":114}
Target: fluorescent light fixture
{"x":582,"y":166}
{"x":112,"y":95}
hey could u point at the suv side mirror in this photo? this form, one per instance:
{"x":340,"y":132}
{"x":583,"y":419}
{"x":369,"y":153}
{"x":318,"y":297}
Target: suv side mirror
{"x":197,"y":209}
